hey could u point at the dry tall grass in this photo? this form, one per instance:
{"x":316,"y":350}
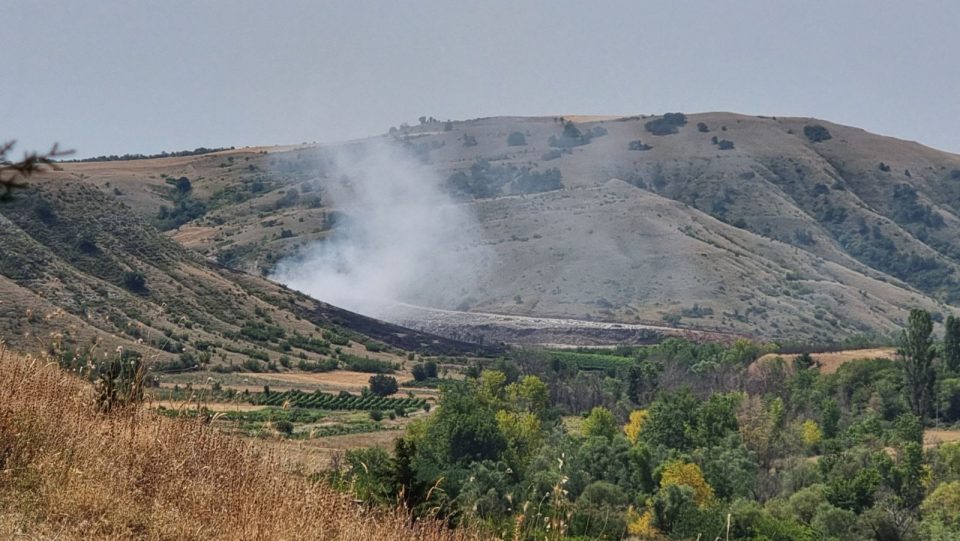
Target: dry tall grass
{"x":70,"y":472}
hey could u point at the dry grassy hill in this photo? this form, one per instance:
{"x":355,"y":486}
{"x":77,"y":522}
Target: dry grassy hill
{"x":68,"y":471}
{"x":776,"y":227}
{"x":81,"y":274}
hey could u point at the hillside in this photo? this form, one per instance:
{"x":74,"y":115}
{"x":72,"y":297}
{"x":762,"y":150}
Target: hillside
{"x":82,"y":274}
{"x":71,"y":472}
{"x":774,"y":227}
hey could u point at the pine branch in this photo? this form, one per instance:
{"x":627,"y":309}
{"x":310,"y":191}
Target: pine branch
{"x":13,"y":175}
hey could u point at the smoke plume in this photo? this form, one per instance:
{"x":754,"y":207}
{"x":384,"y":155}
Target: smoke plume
{"x":399,"y":238}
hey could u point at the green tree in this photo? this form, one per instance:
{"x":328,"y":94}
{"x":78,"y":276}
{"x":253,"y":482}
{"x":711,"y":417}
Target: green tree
{"x":383,"y":385}
{"x":830,"y":417}
{"x":951,"y":344}
{"x":529,"y":394}
{"x":916,"y":350}
{"x":465,"y":429}
{"x":671,"y":421}
{"x":716,"y":418}
{"x":371,"y":474}
{"x":600,"y":423}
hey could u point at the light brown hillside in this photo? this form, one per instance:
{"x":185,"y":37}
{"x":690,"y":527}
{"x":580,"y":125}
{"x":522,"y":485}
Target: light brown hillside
{"x":777,"y":234}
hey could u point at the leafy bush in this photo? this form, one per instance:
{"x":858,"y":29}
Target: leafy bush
{"x":668,"y":124}
{"x":135,"y":281}
{"x":639,"y":145}
{"x":516,"y":139}
{"x":551,"y":155}
{"x":816,"y":133}
{"x":571,"y":137}
{"x":183,"y":185}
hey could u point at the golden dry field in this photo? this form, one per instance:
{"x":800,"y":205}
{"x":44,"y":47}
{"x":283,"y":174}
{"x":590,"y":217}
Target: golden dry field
{"x":69,"y":471}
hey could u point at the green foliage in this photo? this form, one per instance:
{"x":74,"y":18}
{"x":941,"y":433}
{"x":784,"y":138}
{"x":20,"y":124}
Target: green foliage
{"x":638,"y":145}
{"x":492,"y":452}
{"x":816,"y":133}
{"x":672,"y":421}
{"x":135,"y":281}
{"x":516,"y":139}
{"x":916,"y":348}
{"x":324,"y":401}
{"x":725,"y":144}
{"x":425,"y":371}
{"x":183,"y":185}
{"x":484,"y":180}
{"x":600,"y":423}
{"x":262,"y":331}
{"x":590,"y":361}
{"x":951,"y":344}
{"x":465,"y":430}
{"x":366,"y":364}
{"x":571,"y":137}
{"x":185,"y":209}
{"x":382,"y":385}
{"x":668,"y":124}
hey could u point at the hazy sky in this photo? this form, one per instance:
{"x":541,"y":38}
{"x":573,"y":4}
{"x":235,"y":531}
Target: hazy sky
{"x":110,"y":77}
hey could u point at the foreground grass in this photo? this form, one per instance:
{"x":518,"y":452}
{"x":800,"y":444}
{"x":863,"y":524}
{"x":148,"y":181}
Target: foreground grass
{"x":69,"y":472}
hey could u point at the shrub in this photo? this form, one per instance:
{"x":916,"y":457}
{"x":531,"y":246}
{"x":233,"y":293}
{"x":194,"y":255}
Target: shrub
{"x":135,"y":281}
{"x":816,"y":133}
{"x":571,"y":137}
{"x":469,"y":141}
{"x":376,"y":415}
{"x":183,"y":185}
{"x":551,"y":155}
{"x":284,"y":427}
{"x":516,"y":139}
{"x":702,"y":127}
{"x":668,"y":124}
{"x":725,"y":144}
{"x":638,"y":145}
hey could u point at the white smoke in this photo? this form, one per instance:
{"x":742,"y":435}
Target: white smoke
{"x":402,"y":240}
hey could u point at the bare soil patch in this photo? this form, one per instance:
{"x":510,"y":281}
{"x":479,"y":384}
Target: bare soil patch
{"x":935,"y":436}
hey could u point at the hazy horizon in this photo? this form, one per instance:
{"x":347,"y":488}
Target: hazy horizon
{"x":117,"y":77}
